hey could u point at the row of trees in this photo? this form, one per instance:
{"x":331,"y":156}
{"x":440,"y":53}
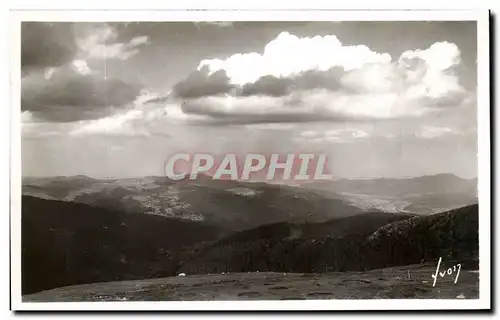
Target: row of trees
{"x":453,"y":235}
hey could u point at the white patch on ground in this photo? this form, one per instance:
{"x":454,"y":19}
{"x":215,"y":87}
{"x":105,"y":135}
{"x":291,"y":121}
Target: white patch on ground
{"x":244,"y":192}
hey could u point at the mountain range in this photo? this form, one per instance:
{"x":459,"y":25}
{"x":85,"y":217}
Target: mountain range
{"x":243,"y":205}
{"x":224,"y":203}
{"x":78,"y":230}
{"x":422,"y":195}
{"x":65,"y":243}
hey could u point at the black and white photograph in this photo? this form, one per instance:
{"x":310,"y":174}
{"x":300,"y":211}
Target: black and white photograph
{"x":340,"y":159}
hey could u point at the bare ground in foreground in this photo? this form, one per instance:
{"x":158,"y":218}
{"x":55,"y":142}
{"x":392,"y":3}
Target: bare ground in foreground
{"x":407,"y":282}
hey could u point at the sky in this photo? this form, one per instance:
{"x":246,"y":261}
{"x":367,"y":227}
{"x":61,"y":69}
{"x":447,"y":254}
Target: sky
{"x":381,"y":99}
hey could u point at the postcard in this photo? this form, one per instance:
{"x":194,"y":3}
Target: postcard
{"x":250,"y":160}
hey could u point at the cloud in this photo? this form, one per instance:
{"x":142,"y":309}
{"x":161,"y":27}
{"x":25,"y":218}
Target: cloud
{"x":201,"y":83}
{"x":101,"y":42}
{"x":60,"y":86}
{"x":45,"y":45}
{"x":309,"y":134}
{"x":140,"y":120}
{"x":268,"y":85}
{"x":73,"y":93}
{"x":320,"y":79}
{"x":118,"y":124}
{"x":307,"y":106}
{"x":48,"y":73}
{"x":34,"y":129}
{"x":292,"y":80}
{"x":26,"y":117}
{"x":430,"y":132}
{"x":269,"y":126}
{"x":350,"y":133}
{"x":81,"y":67}
{"x":332,"y":136}
{"x":137,"y":121}
{"x":221,"y":24}
{"x":289,"y":55}
{"x":130,"y":124}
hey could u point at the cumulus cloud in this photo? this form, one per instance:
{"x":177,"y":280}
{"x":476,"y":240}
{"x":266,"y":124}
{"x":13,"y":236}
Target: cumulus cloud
{"x":292,"y":80}
{"x":312,"y":105}
{"x":318,"y":78}
{"x":74,"y":93}
{"x":45,"y":45}
{"x":60,"y":85}
{"x":101,"y":42}
{"x":289,"y":55}
{"x":202,"y":83}
{"x":267,"y":85}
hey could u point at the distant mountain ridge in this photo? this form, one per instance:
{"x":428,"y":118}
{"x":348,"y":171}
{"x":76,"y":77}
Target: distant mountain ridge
{"x":397,"y":186}
{"x":423,"y":195}
{"x":226,"y":203}
{"x":188,"y":199}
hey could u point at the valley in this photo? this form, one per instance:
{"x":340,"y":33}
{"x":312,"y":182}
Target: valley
{"x":84,"y":231}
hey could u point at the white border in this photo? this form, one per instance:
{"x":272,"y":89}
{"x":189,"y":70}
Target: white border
{"x":254,"y":15}
{"x":484,"y":171}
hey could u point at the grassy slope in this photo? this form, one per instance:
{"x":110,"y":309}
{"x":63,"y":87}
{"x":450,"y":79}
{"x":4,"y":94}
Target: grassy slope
{"x":392,"y":283}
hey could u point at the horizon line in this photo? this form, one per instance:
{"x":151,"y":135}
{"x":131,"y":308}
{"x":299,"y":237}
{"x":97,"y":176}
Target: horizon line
{"x":280,"y":182}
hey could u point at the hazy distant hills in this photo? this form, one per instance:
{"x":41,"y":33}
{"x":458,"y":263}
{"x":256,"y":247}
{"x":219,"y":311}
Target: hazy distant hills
{"x":226,"y":203}
{"x":400,"y":187}
{"x":243,"y":205}
{"x":421,"y":195}
{"x":452,"y":235}
{"x":67,"y":243}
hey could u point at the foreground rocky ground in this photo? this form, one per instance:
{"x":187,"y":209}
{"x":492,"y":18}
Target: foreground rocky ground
{"x":408,"y":282}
